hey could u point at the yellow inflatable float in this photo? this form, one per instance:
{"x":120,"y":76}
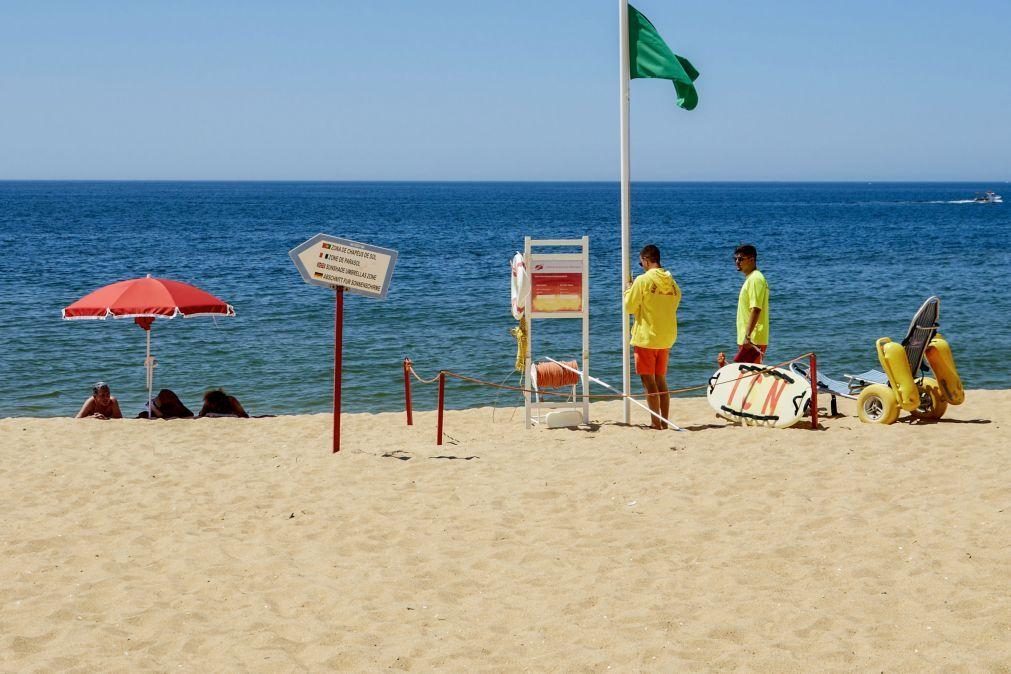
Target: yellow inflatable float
{"x":943,"y":365}
{"x":896,"y":366}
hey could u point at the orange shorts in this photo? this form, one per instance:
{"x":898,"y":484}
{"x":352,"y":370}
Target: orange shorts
{"x":651,"y":361}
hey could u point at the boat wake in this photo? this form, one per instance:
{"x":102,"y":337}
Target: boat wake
{"x":957,"y":201}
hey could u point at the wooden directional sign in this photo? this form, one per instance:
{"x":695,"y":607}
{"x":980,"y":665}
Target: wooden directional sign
{"x":342,"y":265}
{"x":332,"y":262}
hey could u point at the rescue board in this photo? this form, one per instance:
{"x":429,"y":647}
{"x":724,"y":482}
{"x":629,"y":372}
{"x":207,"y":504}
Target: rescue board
{"x":758,"y":395}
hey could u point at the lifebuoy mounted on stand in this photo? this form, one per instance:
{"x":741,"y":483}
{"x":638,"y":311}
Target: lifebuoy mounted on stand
{"x":520,"y":288}
{"x":520,"y":285}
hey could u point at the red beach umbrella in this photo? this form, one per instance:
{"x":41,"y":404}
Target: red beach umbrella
{"x":144,"y":300}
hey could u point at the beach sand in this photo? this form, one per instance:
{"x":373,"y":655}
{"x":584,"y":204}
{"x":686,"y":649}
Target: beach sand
{"x":245,"y":545}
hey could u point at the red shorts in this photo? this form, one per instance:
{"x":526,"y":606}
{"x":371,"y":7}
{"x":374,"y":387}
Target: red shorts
{"x":750,"y":354}
{"x":651,"y":361}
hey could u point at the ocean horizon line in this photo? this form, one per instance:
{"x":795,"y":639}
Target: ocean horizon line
{"x":461,"y":181}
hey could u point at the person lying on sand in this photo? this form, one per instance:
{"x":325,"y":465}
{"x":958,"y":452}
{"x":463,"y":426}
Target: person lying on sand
{"x":101,"y":404}
{"x":166,"y":405}
{"x":217,"y":403}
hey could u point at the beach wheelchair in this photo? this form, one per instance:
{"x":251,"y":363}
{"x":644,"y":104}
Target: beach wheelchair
{"x":904,"y":384}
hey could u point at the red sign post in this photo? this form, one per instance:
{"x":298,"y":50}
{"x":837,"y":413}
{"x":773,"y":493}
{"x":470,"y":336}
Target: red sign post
{"x":338,"y":350}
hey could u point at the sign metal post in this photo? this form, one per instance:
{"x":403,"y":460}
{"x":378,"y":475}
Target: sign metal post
{"x":338,"y":350}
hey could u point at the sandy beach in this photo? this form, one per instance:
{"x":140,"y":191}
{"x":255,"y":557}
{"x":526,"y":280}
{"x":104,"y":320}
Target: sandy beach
{"x":244,"y":545}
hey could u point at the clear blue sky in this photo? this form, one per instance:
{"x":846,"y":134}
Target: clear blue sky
{"x":516,"y":90}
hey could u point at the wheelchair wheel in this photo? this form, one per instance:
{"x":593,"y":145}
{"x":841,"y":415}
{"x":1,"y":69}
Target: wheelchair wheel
{"x":877,"y":405}
{"x":932,"y":402}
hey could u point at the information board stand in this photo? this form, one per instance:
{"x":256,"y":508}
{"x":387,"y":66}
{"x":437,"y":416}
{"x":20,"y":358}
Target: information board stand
{"x":559,"y":288}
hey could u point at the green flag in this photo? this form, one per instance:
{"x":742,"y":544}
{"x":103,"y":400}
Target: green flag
{"x":649,"y":56}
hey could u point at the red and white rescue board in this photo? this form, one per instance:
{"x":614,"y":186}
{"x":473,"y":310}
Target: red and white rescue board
{"x":757,"y":395}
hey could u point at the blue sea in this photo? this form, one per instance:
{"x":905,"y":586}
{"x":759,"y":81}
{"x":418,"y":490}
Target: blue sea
{"x":847,"y":263}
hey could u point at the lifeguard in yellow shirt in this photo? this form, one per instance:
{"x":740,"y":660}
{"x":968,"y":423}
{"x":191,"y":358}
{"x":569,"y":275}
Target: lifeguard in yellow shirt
{"x":653,"y":300}
{"x":752,"y":310}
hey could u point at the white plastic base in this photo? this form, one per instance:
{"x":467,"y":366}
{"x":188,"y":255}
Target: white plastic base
{"x":563,"y":419}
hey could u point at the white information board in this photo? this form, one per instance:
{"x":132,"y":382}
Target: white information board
{"x":559,"y":288}
{"x":332,"y":262}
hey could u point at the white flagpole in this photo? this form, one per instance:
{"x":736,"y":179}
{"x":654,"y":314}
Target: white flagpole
{"x":626,"y":375}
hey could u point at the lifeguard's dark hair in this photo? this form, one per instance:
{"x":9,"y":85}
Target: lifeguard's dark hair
{"x":747,"y":250}
{"x":651,"y":253}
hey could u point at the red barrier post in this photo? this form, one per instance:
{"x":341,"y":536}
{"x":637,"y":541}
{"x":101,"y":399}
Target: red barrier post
{"x":442,"y":400}
{"x":338,"y":348}
{"x":814,"y":391}
{"x":407,"y":391}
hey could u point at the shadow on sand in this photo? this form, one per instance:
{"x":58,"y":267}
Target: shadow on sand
{"x":916,"y":421}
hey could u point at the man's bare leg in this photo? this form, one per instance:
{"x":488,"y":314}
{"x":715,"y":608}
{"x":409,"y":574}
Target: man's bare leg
{"x":661,"y":384}
{"x":653,"y":399}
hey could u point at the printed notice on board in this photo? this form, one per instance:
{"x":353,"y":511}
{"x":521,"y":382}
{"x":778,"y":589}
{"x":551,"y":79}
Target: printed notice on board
{"x":556,"y":286}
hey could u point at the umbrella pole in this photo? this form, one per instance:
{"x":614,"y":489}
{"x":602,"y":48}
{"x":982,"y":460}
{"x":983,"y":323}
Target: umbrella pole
{"x":150,"y":372}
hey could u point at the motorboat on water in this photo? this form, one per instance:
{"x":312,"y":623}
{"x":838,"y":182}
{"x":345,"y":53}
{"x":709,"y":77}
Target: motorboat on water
{"x":989,"y":197}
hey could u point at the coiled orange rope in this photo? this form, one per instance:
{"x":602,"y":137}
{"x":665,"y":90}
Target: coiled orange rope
{"x":553,"y":375}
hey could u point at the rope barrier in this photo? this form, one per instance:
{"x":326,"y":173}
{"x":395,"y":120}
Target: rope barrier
{"x":597,"y":396}
{"x":559,"y":377}
{"x":417,"y":376}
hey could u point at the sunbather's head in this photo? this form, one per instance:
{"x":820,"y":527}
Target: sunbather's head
{"x":101,"y":392}
{"x":216,"y":400}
